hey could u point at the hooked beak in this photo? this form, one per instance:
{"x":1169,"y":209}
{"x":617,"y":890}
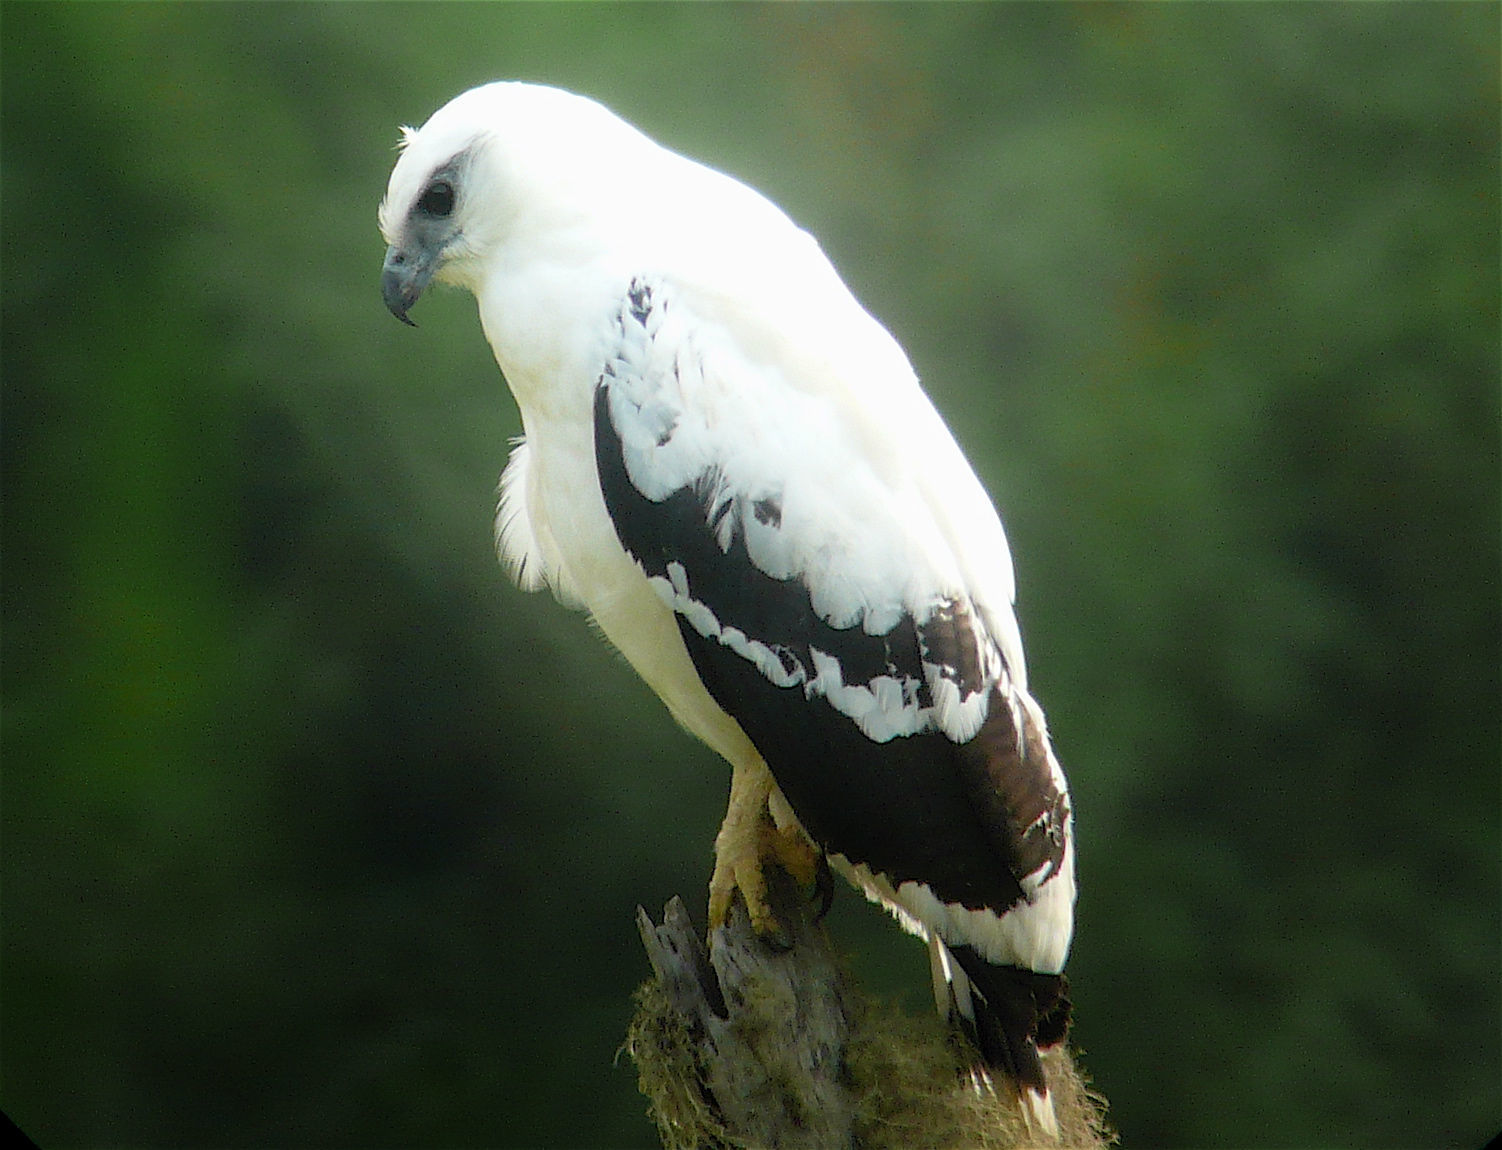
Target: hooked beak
{"x":403,"y":278}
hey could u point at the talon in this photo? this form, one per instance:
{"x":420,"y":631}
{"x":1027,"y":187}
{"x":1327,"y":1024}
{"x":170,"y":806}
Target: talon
{"x":806,"y":864}
{"x":823,"y":887}
{"x":741,"y":872}
{"x":738,"y":851}
{"x":750,"y":838}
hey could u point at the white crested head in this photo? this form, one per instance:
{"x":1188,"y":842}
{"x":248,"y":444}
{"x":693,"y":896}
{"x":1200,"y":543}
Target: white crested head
{"x":500,"y":158}
{"x":512,"y":161}
{"x":505,"y":129}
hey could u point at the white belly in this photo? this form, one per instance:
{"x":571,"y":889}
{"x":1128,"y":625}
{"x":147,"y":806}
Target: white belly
{"x":565,"y":505}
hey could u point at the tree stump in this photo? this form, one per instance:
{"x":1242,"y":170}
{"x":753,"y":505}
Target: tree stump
{"x":758,"y":1046}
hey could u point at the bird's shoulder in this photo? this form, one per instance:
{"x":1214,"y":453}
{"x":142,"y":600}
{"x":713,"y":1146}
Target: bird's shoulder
{"x":766,"y":413}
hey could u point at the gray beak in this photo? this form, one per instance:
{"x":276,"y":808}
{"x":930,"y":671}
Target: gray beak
{"x":403,"y":278}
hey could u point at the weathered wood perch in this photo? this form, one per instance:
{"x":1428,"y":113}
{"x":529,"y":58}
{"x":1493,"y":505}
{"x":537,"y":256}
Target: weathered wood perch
{"x":750,"y":1046}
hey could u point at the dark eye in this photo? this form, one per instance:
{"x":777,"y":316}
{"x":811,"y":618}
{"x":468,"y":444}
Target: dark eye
{"x":438,"y":200}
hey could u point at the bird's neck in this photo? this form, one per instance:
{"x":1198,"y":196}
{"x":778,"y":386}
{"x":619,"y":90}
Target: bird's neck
{"x":550,"y":324}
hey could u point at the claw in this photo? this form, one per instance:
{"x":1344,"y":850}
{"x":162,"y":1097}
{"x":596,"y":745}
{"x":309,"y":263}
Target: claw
{"x":740,"y":872}
{"x":806,"y":864}
{"x":823,"y":887}
{"x":749,"y":838}
{"x":738,"y":849}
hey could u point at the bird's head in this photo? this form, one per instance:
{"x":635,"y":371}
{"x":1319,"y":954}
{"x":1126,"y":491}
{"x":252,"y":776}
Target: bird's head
{"x":423,"y":214}
{"x":496,"y":161}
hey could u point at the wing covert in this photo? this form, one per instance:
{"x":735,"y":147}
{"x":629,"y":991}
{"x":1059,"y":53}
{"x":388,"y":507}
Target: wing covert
{"x":824,"y":613}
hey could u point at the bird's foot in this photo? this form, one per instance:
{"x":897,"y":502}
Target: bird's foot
{"x":790,"y":847}
{"x":738,"y":850}
{"x":804,"y":862}
{"x":741,"y":857}
{"x":740,"y":870}
{"x":760,"y":828}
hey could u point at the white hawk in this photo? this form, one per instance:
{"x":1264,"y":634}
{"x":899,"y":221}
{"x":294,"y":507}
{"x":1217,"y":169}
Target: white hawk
{"x":731,"y":466}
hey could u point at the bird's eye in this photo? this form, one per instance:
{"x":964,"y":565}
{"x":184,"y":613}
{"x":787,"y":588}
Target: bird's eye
{"x":438,"y":200}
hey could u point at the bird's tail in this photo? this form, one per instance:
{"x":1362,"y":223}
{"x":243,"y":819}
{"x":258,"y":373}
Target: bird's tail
{"x":1008,"y":1013}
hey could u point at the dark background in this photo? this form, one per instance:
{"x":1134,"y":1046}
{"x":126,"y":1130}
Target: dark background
{"x":319,"y":834}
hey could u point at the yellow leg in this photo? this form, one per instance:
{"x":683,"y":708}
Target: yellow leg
{"x":790,"y":844}
{"x":737,"y":850}
{"x":759,"y":827}
{"x":790,"y":847}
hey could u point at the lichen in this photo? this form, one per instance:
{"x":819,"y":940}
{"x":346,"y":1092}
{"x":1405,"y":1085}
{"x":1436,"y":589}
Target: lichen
{"x":908,"y":1079}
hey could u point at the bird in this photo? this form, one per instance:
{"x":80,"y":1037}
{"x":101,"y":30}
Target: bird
{"x":731,"y":466}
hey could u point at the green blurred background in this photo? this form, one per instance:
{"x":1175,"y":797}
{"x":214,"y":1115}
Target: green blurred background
{"x":319,"y":834}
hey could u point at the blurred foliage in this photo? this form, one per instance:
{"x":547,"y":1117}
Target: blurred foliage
{"x":316,"y":833}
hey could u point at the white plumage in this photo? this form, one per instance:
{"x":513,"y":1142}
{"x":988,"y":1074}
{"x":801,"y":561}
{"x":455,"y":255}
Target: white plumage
{"x":731,"y":466}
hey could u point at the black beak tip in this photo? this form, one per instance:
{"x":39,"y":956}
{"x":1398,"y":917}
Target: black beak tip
{"x":398,"y":300}
{"x":400,"y":288}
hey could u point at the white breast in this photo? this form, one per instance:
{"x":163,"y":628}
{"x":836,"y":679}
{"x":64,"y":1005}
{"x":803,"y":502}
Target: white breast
{"x":553,"y":528}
